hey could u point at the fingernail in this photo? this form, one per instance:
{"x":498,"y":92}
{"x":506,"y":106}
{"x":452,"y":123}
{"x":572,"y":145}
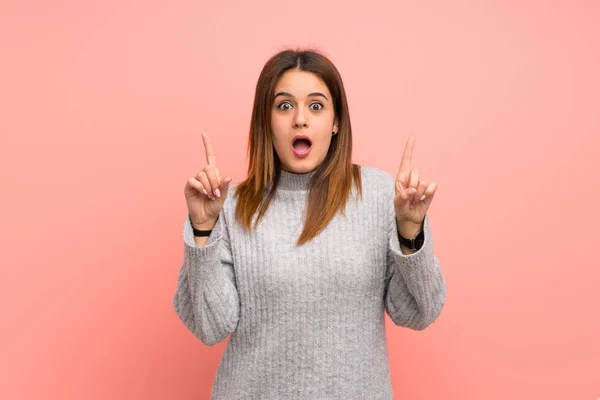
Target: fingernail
{"x":205,"y":192}
{"x":422,"y":197}
{"x":218,"y":192}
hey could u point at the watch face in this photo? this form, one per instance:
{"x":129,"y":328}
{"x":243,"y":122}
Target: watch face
{"x":419,"y":240}
{"x":415,"y":243}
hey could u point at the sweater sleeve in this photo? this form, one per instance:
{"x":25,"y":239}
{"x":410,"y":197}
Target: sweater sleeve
{"x":206,"y":299}
{"x":415,"y":287}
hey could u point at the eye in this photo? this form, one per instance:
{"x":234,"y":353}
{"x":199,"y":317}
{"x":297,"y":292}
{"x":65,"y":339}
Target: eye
{"x":284,"y":103}
{"x":318,"y":104}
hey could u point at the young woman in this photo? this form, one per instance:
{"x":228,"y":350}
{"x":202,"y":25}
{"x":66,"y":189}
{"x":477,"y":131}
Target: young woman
{"x":299,"y":261}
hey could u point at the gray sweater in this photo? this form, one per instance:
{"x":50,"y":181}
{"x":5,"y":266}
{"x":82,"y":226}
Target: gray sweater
{"x":307,"y":322}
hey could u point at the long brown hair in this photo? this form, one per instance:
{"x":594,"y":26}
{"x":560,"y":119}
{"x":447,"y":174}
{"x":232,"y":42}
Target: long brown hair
{"x":332,"y":181}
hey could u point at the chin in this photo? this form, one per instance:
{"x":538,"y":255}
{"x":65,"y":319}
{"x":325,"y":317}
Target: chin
{"x":301,"y":167}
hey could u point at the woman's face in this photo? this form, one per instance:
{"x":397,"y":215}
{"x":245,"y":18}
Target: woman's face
{"x":302,"y":107}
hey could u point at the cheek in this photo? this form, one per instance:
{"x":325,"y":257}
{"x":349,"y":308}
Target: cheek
{"x":326,"y":123}
{"x":324,"y":127}
{"x":279,"y":134}
{"x":277,"y":125}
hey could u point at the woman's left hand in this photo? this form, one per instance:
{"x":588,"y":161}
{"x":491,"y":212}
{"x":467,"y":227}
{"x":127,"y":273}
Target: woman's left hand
{"x":413,"y":196}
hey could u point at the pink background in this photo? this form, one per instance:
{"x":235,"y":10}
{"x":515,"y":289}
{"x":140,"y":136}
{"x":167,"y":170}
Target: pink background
{"x":102,"y":105}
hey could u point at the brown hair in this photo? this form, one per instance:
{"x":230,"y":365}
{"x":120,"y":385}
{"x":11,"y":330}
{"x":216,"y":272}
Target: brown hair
{"x":331,"y":183}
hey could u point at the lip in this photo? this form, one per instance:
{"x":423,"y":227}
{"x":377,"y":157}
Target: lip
{"x":301,"y":154}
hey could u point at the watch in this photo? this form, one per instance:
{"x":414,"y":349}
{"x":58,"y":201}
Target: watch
{"x":414,"y":243}
{"x":197,"y":232}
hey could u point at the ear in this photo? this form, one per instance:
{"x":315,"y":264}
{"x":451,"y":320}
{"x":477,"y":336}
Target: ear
{"x":336,"y":127}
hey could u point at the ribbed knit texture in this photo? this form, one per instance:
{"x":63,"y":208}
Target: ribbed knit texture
{"x":307,"y":322}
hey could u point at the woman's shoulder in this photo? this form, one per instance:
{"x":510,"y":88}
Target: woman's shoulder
{"x":377,"y":185}
{"x":376,"y":177}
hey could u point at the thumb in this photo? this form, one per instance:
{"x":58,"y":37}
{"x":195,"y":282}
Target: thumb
{"x":407,"y":194}
{"x":224,"y":186}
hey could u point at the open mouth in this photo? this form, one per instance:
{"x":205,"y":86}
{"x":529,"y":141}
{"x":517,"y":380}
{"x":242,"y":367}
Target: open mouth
{"x":301,"y":146}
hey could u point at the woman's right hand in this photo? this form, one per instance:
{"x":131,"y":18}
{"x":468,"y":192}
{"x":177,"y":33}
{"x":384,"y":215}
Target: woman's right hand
{"x":206,"y":192}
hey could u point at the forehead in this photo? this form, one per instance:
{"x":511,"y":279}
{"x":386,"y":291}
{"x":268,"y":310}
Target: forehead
{"x":301,"y":83}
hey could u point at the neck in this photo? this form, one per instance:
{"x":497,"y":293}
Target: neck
{"x":294,"y":182}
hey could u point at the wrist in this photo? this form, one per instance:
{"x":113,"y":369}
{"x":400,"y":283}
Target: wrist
{"x":204,"y":226}
{"x":408,"y":229}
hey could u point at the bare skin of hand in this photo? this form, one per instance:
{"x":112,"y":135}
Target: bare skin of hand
{"x":205,"y":193}
{"x":413,"y":196}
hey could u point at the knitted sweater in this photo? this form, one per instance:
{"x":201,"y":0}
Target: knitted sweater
{"x":307,"y":322}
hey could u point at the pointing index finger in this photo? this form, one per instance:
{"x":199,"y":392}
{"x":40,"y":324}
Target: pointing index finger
{"x":407,"y":154}
{"x":211,"y":156}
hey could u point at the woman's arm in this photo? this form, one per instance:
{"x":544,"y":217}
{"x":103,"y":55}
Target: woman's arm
{"x":206,"y":299}
{"x":415,"y":287}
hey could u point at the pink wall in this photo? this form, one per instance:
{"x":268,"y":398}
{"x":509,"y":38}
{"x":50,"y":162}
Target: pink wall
{"x":101,"y":111}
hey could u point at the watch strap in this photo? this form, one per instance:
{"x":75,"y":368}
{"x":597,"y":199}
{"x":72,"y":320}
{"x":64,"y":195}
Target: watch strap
{"x":198,"y":232}
{"x":416,"y":242}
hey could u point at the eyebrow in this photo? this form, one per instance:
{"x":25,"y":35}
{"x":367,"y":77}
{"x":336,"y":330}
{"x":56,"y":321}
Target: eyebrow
{"x":309,"y":95}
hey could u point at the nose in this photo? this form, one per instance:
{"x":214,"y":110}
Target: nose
{"x":300,"y":119}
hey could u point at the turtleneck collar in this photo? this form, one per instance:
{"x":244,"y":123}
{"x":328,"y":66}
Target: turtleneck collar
{"x":295,"y":182}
